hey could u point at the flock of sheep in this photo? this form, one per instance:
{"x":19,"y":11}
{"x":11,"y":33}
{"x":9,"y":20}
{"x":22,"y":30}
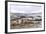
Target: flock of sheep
{"x":23,"y":22}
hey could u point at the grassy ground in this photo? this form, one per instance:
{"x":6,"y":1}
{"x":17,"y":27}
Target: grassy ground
{"x":25,"y":25}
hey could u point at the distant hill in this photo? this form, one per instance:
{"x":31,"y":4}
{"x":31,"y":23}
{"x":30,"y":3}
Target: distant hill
{"x":13,"y":15}
{"x":26,"y":14}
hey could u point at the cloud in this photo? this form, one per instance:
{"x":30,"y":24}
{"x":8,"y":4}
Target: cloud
{"x":25,"y":9}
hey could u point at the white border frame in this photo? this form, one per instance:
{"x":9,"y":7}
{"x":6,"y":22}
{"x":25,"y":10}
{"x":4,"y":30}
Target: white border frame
{"x":30,"y":29}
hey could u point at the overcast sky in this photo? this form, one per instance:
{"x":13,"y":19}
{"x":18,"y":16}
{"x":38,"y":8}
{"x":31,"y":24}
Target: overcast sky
{"x":25,"y":9}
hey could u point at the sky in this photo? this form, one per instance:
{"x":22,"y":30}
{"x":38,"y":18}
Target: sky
{"x":25,"y":8}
